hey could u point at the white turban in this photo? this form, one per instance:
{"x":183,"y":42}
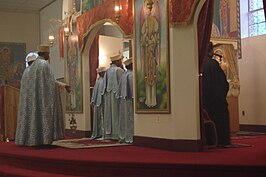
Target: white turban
{"x":32,"y":56}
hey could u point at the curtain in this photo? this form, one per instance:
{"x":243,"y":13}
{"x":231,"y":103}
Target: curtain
{"x":94,"y":61}
{"x":264,"y":7}
{"x":61,"y":42}
{"x":204,"y":30}
{"x":204,"y":35}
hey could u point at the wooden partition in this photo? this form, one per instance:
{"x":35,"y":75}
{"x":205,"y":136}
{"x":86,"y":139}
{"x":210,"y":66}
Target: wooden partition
{"x":9,"y":102}
{"x":233,"y":114}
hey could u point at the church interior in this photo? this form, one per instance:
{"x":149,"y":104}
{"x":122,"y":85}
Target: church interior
{"x":169,"y":120}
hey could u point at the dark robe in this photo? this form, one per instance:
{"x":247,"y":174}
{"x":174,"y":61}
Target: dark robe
{"x":215,"y":88}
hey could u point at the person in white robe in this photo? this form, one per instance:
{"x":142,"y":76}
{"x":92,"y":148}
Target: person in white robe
{"x":126,"y":115}
{"x":98,"y":105}
{"x":111,"y":100}
{"x":40,"y":115}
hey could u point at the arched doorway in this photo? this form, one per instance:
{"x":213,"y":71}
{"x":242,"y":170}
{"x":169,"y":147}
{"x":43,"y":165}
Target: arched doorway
{"x":102,"y":40}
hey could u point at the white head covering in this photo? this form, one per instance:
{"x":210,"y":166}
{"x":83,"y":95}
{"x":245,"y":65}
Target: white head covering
{"x":32,"y":56}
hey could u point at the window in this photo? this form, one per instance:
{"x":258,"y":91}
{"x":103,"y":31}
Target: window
{"x":257,"y":24}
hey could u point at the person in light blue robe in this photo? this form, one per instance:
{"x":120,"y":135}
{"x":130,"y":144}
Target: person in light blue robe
{"x":126,"y":115}
{"x":40,"y":115}
{"x":98,"y":105}
{"x":111,"y":100}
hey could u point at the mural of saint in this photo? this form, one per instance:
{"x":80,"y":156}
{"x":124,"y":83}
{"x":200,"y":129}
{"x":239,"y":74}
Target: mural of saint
{"x":225,"y":15}
{"x":72,"y":70}
{"x":6,"y":68}
{"x":12,"y":63}
{"x":150,"y":52}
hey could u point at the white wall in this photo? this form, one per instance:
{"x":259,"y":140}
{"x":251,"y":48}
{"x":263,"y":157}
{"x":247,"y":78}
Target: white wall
{"x":21,"y":28}
{"x":109,"y":46}
{"x":252,"y":74}
{"x":252,"y":98}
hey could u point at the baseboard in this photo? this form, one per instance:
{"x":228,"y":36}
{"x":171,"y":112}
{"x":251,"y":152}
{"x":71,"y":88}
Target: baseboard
{"x":252,"y":128}
{"x":77,"y":133}
{"x":168,"y":144}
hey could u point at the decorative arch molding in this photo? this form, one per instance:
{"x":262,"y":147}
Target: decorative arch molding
{"x":181,"y":12}
{"x":105,"y":11}
{"x":90,"y":40}
{"x":91,"y":31}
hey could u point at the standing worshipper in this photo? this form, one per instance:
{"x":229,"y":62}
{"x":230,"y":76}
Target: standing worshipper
{"x":126,"y":116}
{"x":111,"y":100}
{"x":30,"y":58}
{"x":215,"y":88}
{"x":40,"y":116}
{"x":98,"y":105}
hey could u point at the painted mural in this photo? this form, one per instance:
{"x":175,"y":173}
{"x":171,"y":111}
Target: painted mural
{"x":12,"y":62}
{"x":225,"y":22}
{"x":73,"y":73}
{"x":152,"y":61}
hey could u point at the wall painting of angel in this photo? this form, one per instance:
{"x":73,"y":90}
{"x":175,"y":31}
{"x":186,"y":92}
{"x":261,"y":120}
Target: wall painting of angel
{"x":152,"y":92}
{"x":73,"y":74}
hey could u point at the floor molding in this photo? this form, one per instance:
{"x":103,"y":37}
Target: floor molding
{"x":253,"y":128}
{"x":168,"y":144}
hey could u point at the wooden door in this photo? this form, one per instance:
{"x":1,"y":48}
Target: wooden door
{"x":233,"y":114}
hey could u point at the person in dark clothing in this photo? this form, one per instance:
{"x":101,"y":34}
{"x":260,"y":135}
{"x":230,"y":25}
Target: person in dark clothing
{"x":215,"y":88}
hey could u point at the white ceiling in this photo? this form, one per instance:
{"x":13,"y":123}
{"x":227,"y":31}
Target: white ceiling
{"x":24,"y":6}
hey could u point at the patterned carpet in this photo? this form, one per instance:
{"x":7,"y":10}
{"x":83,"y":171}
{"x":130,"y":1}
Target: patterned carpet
{"x":247,"y":135}
{"x":87,"y":143}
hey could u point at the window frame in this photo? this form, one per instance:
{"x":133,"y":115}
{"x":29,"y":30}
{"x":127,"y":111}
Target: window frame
{"x":249,"y":25}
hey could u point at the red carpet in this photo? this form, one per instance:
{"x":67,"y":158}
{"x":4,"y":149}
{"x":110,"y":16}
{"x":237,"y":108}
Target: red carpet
{"x":133,"y":161}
